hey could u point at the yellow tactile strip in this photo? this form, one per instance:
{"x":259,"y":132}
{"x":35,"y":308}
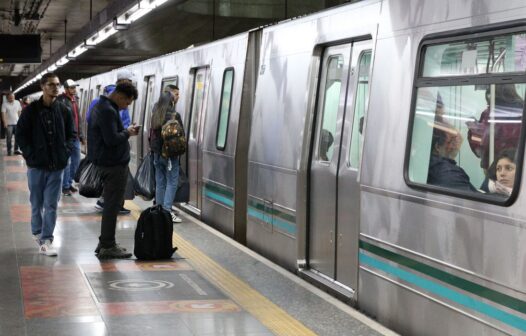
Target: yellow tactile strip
{"x":268,"y":313}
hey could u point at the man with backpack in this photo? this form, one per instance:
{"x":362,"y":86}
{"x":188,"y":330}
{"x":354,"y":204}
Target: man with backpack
{"x":167,"y":142}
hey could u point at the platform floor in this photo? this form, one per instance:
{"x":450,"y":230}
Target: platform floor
{"x":213,"y":286}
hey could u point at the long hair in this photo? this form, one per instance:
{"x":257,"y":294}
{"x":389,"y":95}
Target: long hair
{"x":163,"y":106}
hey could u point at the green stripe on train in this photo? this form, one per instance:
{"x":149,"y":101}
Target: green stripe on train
{"x":453,"y":280}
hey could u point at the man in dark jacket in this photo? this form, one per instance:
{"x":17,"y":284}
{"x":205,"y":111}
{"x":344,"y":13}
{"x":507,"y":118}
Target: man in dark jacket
{"x":45,"y":135}
{"x":70,"y":99}
{"x":443,"y":169}
{"x":109,"y":151}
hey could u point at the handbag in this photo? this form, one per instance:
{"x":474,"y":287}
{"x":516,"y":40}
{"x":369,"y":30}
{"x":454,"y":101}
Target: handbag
{"x":182,"y":195}
{"x":144,"y":182}
{"x":90,"y":183}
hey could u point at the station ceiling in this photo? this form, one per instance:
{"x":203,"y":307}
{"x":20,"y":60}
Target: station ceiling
{"x":174,"y":25}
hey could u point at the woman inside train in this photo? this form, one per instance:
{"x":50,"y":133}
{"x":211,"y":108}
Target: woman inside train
{"x":501,"y":174}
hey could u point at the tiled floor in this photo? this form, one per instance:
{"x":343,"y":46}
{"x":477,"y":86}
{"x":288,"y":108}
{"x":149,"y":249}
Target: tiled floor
{"x":209,"y":288}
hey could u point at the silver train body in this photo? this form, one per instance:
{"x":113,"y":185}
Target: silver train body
{"x":421,"y":262}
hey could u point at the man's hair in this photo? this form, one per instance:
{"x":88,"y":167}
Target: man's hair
{"x":46,"y":76}
{"x":171,"y":87}
{"x":126,"y":89}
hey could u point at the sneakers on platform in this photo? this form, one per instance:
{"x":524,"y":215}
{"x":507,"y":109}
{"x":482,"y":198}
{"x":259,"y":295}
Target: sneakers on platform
{"x":97,"y":249}
{"x":124,"y":211}
{"x":18,"y":152}
{"x":99,"y":206}
{"x":47,"y":249}
{"x":115,"y":252}
{"x":36,"y":238}
{"x":66,"y":192}
{"x":73,"y":189}
{"x":175,"y":218}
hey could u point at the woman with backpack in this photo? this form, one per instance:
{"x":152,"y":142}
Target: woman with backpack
{"x":166,"y":135}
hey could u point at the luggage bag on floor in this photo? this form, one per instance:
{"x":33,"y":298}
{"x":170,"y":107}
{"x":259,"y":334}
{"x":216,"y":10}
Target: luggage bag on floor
{"x":153,"y":235}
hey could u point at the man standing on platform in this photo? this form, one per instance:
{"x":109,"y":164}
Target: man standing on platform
{"x":70,"y":99}
{"x":45,"y":133}
{"x":11,"y":110}
{"x":109,"y":151}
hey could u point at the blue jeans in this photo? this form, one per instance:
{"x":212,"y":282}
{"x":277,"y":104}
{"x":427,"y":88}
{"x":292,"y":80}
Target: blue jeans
{"x":166,"y":180}
{"x":11,"y":130}
{"x":73,"y":165}
{"x":44,"y":193}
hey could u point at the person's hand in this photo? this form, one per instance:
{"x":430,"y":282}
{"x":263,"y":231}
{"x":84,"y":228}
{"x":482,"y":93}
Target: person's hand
{"x":133,"y":129}
{"x":502,"y":189}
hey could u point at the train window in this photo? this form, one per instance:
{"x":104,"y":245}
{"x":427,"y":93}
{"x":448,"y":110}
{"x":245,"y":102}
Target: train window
{"x":197,"y":104}
{"x":466,"y":136}
{"x":495,"y":54}
{"x":331,"y":102}
{"x":169,"y":81}
{"x":360,"y":106}
{"x":224,"y":108}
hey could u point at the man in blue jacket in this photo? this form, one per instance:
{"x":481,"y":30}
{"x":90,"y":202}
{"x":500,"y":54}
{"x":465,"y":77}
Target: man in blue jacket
{"x":46,"y":135}
{"x":109,"y":151}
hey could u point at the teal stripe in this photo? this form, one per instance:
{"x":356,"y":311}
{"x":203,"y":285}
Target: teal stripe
{"x":445,"y":292}
{"x":277,"y":213}
{"x":285,"y":226}
{"x":219,"y":198}
{"x":466,"y":285}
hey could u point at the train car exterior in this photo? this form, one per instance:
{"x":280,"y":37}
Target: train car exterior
{"x":313,"y":142}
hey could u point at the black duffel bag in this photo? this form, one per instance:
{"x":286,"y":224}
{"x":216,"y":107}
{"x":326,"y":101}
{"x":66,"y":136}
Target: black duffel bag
{"x":90,"y":183}
{"x":153,"y":235}
{"x":82,"y":165}
{"x":144,"y":182}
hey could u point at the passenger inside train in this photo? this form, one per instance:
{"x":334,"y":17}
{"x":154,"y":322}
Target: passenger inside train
{"x":501,"y":174}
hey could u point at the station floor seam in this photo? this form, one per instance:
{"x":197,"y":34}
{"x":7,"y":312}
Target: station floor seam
{"x":268,"y":313}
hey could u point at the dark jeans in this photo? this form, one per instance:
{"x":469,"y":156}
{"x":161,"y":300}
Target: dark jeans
{"x":11,"y":129}
{"x":114,"y":179}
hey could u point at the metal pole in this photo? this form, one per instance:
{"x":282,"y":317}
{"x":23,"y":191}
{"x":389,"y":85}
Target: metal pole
{"x":50,"y":50}
{"x":65,"y":30}
{"x":90,"y":9}
{"x":213,"y":19}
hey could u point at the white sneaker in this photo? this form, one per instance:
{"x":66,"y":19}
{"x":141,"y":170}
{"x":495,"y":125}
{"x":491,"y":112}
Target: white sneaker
{"x":175,"y":219}
{"x":36,"y":238}
{"x":47,"y":249}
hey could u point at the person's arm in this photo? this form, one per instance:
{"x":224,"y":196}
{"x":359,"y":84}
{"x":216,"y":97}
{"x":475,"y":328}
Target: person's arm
{"x":23,"y":134}
{"x":4,"y":115}
{"x":108,"y":127}
{"x":69,"y":129}
{"x":125,"y":117}
{"x":19,"y":109}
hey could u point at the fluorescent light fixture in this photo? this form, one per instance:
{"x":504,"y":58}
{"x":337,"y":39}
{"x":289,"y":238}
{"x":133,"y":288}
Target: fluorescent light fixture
{"x":52,"y":68}
{"x":62,"y":61}
{"x":158,"y":3}
{"x":101,"y":35}
{"x":80,"y":49}
{"x":138,"y":14}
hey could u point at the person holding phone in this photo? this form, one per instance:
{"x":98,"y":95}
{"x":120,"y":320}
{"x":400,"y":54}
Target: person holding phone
{"x":109,"y":151}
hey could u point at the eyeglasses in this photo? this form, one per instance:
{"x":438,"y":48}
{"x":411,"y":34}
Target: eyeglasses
{"x":57,"y":85}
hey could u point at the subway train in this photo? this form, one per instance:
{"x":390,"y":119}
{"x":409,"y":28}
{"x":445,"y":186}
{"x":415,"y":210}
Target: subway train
{"x":361,"y":148}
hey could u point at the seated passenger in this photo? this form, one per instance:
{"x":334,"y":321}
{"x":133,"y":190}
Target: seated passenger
{"x":501,"y":175}
{"x":325,"y":144}
{"x":443,"y":169}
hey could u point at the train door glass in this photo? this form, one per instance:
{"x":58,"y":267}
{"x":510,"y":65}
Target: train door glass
{"x":195,"y":137}
{"x":144,"y":117}
{"x":169,"y":81}
{"x":334,"y":194}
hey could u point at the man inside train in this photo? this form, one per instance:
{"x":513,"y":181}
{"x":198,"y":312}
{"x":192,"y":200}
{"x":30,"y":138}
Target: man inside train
{"x":123,"y":76}
{"x":443,"y":169}
{"x":109,"y":151}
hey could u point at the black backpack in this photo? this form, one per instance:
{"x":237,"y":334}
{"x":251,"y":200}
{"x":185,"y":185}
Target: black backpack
{"x":153,"y":235}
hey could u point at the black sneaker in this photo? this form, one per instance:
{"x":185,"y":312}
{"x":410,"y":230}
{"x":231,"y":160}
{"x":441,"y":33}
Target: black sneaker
{"x":114,"y":252}
{"x":99,"y":206}
{"x":18,"y":152}
{"x":66,"y":192}
{"x":73,"y":189}
{"x":124,"y":211}
{"x":97,"y":249}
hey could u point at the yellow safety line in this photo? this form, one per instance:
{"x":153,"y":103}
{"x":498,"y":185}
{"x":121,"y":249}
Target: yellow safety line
{"x":268,"y":313}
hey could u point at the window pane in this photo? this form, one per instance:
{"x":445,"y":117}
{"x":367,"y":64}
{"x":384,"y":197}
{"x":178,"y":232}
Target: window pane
{"x":228,"y":81}
{"x":169,"y":81}
{"x":197,"y":102}
{"x":466,"y":137}
{"x":333,"y":85}
{"x":360,"y":107}
{"x":496,"y":54}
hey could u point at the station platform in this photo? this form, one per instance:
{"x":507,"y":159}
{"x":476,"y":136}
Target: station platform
{"x":212,"y":286}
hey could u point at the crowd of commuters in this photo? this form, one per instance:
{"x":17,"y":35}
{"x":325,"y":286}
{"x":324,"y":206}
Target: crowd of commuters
{"x":49,"y":132}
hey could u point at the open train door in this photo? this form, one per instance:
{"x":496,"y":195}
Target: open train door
{"x":334,"y":206}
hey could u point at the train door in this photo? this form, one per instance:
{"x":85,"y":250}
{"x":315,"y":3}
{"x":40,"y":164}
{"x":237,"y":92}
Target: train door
{"x":334,"y":211}
{"x":195,"y":134}
{"x":144,"y":118}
